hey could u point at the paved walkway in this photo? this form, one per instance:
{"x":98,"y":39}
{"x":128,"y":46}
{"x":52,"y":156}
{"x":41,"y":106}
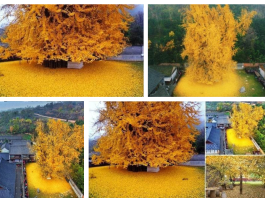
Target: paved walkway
{"x":222,"y":142}
{"x":18,"y":182}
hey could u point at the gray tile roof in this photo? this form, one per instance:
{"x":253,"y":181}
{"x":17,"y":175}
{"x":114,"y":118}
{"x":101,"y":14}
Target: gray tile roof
{"x":154,"y":78}
{"x":20,"y":147}
{"x":223,"y":120}
{"x":214,"y":113}
{"x":208,"y":129}
{"x":5,"y":193}
{"x":213,"y":135}
{"x":20,"y":142}
{"x":4,"y":156}
{"x":212,"y":147}
{"x":10,"y":137}
{"x":7,"y":179}
{"x":6,"y":146}
{"x":220,"y":117}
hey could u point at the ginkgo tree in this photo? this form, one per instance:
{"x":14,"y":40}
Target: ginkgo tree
{"x":245,"y":119}
{"x":209,"y":43}
{"x":65,"y":32}
{"x":155,"y":134}
{"x":223,"y":168}
{"x":57,"y":147}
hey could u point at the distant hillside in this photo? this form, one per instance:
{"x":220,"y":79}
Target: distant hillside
{"x":22,"y":120}
{"x":64,"y":110}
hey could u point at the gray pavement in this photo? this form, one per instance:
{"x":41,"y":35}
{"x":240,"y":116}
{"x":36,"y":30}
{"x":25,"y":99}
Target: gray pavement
{"x":18,"y":182}
{"x":222,"y":142}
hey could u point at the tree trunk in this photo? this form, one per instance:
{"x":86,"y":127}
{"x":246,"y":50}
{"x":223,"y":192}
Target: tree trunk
{"x":241,"y":185}
{"x":136,"y":168}
{"x":212,"y":194}
{"x":55,"y":63}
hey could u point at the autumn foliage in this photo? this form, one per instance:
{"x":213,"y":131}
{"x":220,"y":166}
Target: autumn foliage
{"x":65,"y":32}
{"x":57,"y":147}
{"x":210,"y":40}
{"x":224,"y":168}
{"x":156,"y":134}
{"x":245,"y":119}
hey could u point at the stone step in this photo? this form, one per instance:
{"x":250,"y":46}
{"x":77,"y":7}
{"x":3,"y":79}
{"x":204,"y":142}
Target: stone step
{"x":74,"y":65}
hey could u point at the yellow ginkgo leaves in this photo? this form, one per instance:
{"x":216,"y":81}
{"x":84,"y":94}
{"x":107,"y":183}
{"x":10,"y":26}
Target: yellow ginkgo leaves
{"x":210,"y":39}
{"x":97,"y":79}
{"x":66,"y":32}
{"x":245,"y":119}
{"x":114,"y":183}
{"x":57,"y":146}
{"x":49,"y":186}
{"x":147,"y":133}
{"x":240,"y":146}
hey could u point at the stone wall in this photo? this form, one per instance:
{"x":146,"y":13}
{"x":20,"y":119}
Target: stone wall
{"x":127,"y":58}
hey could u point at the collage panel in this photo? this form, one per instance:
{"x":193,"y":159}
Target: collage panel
{"x":71,"y":50}
{"x":41,"y":149}
{"x":235,"y":176}
{"x":146,"y":149}
{"x":201,"y":50}
{"x":135,"y":147}
{"x":235,"y":128}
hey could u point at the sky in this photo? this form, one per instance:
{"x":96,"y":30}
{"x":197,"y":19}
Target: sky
{"x":93,"y":116}
{"x":15,"y":104}
{"x":3,"y":22}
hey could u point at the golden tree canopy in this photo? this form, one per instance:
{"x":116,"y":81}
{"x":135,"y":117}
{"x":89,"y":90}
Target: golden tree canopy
{"x":65,"y":32}
{"x":147,"y":133}
{"x":245,"y":119}
{"x":57,"y":147}
{"x":210,"y":40}
{"x":234,"y":166}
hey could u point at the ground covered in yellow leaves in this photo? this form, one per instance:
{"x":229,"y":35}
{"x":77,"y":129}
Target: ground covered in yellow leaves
{"x":229,"y":87}
{"x":97,"y":79}
{"x":241,"y":145}
{"x":48,"y":188}
{"x":179,"y":181}
{"x":249,"y":191}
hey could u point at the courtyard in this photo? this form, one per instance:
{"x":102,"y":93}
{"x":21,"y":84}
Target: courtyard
{"x":48,"y":188}
{"x":229,"y":87}
{"x":240,"y":146}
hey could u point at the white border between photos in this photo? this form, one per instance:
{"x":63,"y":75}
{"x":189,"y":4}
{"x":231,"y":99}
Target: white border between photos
{"x":145,"y":98}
